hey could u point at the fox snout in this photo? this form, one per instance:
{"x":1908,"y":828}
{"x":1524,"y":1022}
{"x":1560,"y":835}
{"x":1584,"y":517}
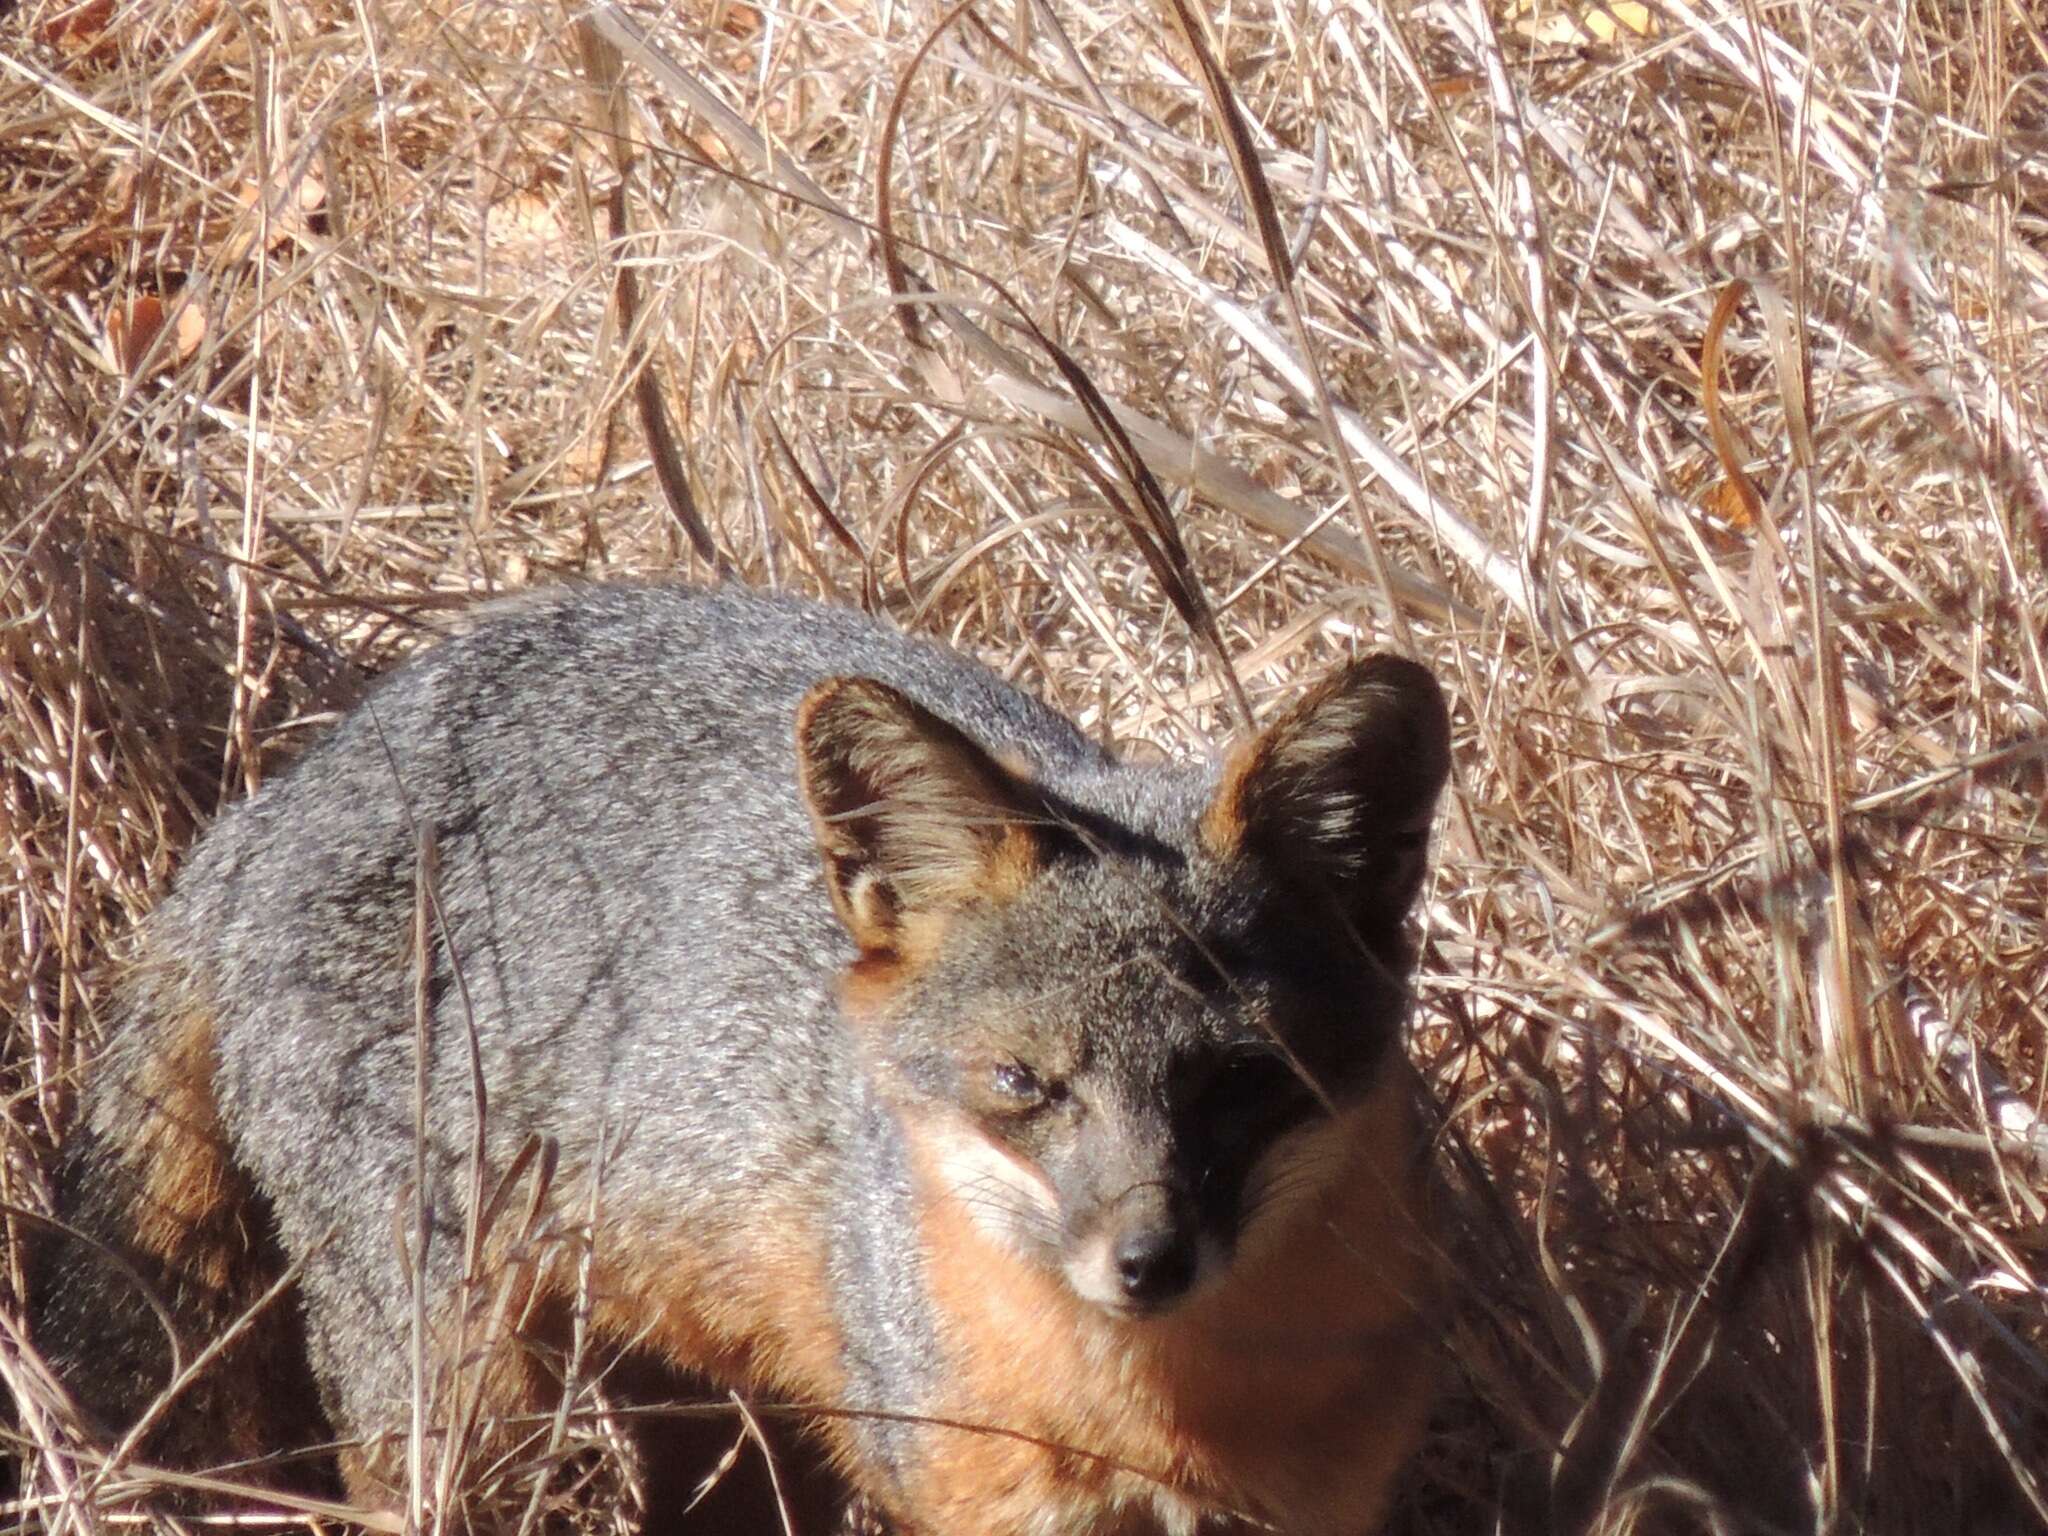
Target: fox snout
{"x":1141,"y":1255}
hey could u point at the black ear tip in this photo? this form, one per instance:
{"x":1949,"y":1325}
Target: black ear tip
{"x":1403,"y":695}
{"x":1397,"y":674}
{"x":838,"y":713}
{"x":833,"y":695}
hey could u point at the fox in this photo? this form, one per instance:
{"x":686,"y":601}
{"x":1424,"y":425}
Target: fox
{"x":1028,"y":1122}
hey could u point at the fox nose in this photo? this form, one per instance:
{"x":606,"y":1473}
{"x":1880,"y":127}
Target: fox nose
{"x":1155,"y":1263}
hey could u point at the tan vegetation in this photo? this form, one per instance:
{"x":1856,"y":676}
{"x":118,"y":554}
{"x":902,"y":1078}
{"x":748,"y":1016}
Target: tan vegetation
{"x":1670,"y":377}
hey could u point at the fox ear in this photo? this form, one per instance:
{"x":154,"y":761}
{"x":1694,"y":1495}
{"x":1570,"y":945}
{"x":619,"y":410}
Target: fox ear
{"x":913,"y":818}
{"x":1341,"y":789}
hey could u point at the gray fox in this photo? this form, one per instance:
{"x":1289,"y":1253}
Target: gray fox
{"x":1027,"y":1119}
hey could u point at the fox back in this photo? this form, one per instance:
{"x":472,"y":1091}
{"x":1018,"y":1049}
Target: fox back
{"x":890,"y":1049}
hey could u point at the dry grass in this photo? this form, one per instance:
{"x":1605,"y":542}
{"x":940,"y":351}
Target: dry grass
{"x":1736,"y":986}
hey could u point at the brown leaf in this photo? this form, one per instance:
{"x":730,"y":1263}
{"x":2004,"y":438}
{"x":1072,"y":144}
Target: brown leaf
{"x":739,"y":20}
{"x":188,"y":329}
{"x":133,"y":328}
{"x":1727,"y":502}
{"x":78,"y":29}
{"x":1736,"y":483}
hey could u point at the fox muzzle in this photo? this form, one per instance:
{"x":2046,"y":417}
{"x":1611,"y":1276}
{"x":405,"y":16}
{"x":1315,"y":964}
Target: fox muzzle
{"x":1141,"y":1255}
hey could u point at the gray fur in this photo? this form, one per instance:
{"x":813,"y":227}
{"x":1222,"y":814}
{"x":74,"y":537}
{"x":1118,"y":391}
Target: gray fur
{"x":634,"y":923}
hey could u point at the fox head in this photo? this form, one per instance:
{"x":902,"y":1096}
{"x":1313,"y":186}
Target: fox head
{"x":1117,"y":1005}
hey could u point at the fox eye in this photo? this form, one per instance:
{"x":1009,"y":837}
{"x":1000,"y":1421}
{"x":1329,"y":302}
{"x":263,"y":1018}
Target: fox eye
{"x":1018,"y":1084}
